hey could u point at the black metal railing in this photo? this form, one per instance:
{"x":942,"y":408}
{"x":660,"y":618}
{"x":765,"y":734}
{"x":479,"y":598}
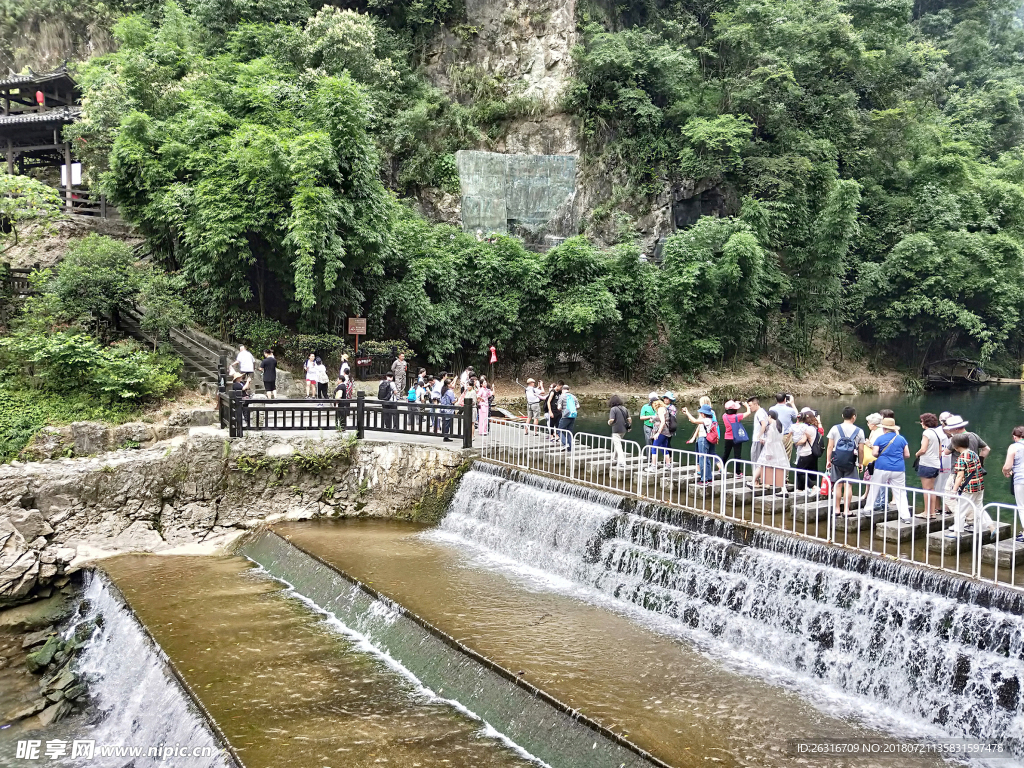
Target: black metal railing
{"x":361,"y":415}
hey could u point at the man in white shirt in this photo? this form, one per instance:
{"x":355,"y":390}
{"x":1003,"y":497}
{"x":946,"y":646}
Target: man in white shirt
{"x":785,"y":407}
{"x":534,"y":395}
{"x":246,"y":362}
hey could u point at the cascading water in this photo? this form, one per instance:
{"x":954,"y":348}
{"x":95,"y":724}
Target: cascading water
{"x":956,"y":665}
{"x":139,"y":702}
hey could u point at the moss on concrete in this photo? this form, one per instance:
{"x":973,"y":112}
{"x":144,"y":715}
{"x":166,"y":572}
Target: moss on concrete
{"x":434,"y":503}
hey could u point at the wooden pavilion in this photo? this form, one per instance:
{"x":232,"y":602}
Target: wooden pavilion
{"x":35,"y":109}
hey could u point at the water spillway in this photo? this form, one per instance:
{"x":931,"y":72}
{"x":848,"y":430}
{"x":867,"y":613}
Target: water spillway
{"x":141,"y":704}
{"x":943,"y":662}
{"x":287,"y":685}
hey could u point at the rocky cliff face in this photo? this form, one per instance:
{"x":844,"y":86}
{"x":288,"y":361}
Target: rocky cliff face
{"x":198,"y":492}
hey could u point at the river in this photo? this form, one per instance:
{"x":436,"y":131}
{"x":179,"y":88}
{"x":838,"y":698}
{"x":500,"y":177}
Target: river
{"x":992,"y":411}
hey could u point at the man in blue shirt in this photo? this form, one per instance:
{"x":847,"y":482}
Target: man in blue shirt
{"x":891,"y":452}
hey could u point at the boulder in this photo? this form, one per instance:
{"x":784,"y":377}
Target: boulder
{"x":90,"y":437}
{"x":30,"y":523}
{"x":47,"y":443}
{"x":39,"y":659}
{"x":132,"y":435}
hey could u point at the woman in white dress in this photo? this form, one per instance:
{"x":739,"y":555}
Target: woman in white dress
{"x":774,"y":459}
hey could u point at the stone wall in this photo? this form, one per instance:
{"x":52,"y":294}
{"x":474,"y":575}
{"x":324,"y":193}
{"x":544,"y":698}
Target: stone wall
{"x":198,"y":492}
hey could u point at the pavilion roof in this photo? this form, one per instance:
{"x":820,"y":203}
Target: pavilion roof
{"x":36,"y":78}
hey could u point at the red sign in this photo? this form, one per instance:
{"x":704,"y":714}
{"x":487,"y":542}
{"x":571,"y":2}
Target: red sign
{"x":494,"y":355}
{"x":363,"y":362}
{"x":357,"y":326}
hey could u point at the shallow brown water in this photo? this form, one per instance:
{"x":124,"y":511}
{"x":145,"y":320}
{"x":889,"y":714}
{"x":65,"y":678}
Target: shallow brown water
{"x":286,"y":688}
{"x":665,"y":696}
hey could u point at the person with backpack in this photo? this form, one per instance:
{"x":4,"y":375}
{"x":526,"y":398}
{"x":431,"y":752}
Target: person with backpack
{"x":568,"y":405}
{"x":669,"y":398}
{"x":659,"y":432}
{"x":805,"y":436}
{"x":620,"y":421}
{"x":734,"y":434}
{"x":387,"y":393}
{"x":553,"y":412}
{"x":891,"y":452}
{"x":842,"y":456}
{"x":706,"y":436}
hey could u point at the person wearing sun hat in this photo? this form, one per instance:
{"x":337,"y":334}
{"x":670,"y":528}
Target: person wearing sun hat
{"x":891,"y":451}
{"x":732,"y":429}
{"x":647,"y":416}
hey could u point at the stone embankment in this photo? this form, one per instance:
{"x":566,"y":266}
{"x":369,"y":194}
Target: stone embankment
{"x":200,"y":490}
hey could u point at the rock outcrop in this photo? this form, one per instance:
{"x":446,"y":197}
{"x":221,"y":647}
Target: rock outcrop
{"x":198,"y":491}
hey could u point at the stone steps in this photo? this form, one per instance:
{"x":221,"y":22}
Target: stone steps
{"x":947,"y":545}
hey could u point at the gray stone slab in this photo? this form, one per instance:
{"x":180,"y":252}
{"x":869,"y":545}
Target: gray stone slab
{"x":917,"y":529}
{"x":940,"y":542}
{"x":863,"y":520}
{"x":1004,"y":554}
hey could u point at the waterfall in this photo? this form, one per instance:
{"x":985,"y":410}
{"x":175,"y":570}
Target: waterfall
{"x":139,"y":702}
{"x":956,"y":665}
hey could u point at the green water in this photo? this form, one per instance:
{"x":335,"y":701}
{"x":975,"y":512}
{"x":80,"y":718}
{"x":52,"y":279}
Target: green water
{"x":992,"y":411}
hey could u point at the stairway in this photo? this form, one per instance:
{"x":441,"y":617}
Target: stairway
{"x":198,"y":352}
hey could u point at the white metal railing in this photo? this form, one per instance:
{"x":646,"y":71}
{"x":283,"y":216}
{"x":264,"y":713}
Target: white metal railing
{"x":607,"y":462}
{"x":934,"y":529}
{"x":1002,"y":561}
{"x":542,"y":449}
{"x":675,"y":476}
{"x":885,"y":520}
{"x":783,"y":498}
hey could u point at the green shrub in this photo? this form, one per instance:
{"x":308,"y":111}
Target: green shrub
{"x":259,"y":333}
{"x":74,"y":362}
{"x":328,"y":346}
{"x":23,"y":412}
{"x":370,"y":347}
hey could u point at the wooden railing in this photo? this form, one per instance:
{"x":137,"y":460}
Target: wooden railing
{"x":85,"y":202}
{"x":454,"y":422}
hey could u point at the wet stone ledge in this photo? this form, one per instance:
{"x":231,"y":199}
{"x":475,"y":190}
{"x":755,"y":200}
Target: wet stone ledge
{"x":197,"y":493}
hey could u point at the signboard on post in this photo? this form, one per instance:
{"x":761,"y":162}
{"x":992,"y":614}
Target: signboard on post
{"x":357,"y":328}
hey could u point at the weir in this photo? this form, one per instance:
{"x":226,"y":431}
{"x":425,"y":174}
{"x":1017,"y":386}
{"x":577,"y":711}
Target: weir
{"x":937,"y":657}
{"x":542,"y":725}
{"x":288,"y":685}
{"x":144,"y":703}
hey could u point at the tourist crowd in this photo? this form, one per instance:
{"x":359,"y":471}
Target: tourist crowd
{"x":949,"y":461}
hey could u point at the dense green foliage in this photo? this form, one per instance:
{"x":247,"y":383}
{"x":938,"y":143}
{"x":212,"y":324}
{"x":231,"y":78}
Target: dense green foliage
{"x":24,"y":411}
{"x":878,"y":141}
{"x":24,"y":201}
{"x":54,"y":343}
{"x":865,"y":157}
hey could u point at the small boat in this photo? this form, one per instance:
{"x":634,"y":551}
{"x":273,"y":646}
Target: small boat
{"x":954,"y":373}
{"x":505,"y":415}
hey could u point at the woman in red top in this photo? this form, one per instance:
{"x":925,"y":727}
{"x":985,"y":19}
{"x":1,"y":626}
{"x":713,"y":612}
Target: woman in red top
{"x":730,"y":419}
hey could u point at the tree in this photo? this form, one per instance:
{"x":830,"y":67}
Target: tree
{"x":25,"y":201}
{"x":164,"y":306}
{"x":714,"y":289}
{"x":97,"y":276}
